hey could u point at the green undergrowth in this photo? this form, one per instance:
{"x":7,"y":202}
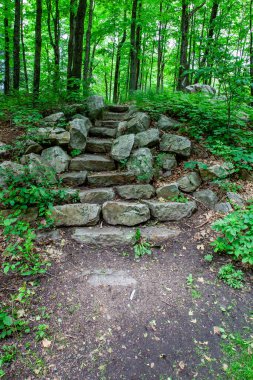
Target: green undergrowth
{"x":238,"y":358}
{"x":236,"y":234}
{"x":205,"y":119}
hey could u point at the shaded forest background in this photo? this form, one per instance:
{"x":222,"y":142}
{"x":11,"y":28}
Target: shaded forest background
{"x":116,"y":47}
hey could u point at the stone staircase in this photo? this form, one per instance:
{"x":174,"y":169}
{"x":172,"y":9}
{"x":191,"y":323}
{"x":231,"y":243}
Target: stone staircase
{"x":108,"y":193}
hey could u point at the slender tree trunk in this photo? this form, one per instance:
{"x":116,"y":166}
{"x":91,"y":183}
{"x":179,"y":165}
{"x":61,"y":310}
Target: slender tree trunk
{"x":54,"y":38}
{"x":152,"y":65}
{"x":159,"y":50}
{"x":86,"y":72}
{"x":138,"y":46}
{"x":37,"y":56}
{"x":75,"y":47}
{"x":251,"y":48}
{"x":111,"y":71}
{"x":23,"y":52}
{"x":16,"y":46}
{"x":6,"y":51}
{"x":133,"y":49}
{"x":183,"y":79}
{"x":117,"y":65}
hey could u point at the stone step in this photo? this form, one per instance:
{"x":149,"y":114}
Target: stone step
{"x":107,"y":124}
{"x":92,"y":162}
{"x":114,"y":116}
{"x":78,"y":214}
{"x":106,"y":179}
{"x":135,"y":191}
{"x":102,"y":132}
{"x":74,"y":178}
{"x":98,"y":145}
{"x":97,"y":196}
{"x":170,"y":211}
{"x":118,"y":108}
{"x":121,"y":236}
{"x":125,"y":213}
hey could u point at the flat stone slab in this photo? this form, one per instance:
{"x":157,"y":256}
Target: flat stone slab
{"x":111,"y":178}
{"x":98,"y":196}
{"x":171,"y":211}
{"x":79,"y":214}
{"x":93,"y":162}
{"x":122,"y":147}
{"x":74,"y":178}
{"x":168,"y":191}
{"x":97,"y":145}
{"x":125,"y":213}
{"x":103,"y":132}
{"x":110,"y":277}
{"x":113,"y":116}
{"x":121,"y":236}
{"x":135,"y":191}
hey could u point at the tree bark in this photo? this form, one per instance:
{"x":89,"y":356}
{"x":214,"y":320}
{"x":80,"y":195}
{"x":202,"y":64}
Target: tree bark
{"x":133,"y":49}
{"x":16,"y":46}
{"x":251,"y":48}
{"x":75,"y":47}
{"x":6,"y":51}
{"x":54,"y":38}
{"x":23,"y":52}
{"x":37,"y":56}
{"x":86,"y":71}
{"x":117,"y":64}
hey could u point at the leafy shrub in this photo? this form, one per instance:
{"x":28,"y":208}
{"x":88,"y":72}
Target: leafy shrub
{"x":21,"y":195}
{"x":237,"y":234}
{"x":141,"y":247}
{"x":231,"y":276}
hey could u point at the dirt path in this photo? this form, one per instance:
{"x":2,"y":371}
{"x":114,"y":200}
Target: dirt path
{"x":154,"y":327}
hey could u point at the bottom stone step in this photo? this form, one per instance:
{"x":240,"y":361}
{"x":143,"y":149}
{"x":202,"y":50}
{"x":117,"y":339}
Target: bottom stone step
{"x":116,"y":236}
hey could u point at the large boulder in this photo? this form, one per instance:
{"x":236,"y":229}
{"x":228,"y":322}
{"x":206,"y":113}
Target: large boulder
{"x":78,"y":129}
{"x":122,"y":147}
{"x":56,"y":158}
{"x":54,"y":118}
{"x":139,"y":123}
{"x":212,"y":172}
{"x":235,"y":199}
{"x":147,"y":138}
{"x":190,"y":182}
{"x":141,"y":164}
{"x":175,"y":144}
{"x":52,"y":135}
{"x":171,"y":211}
{"x":168,"y":191}
{"x":38,"y":169}
{"x":79,"y":214}
{"x":207,"y":197}
{"x":124,"y":213}
{"x":95,"y":107}
{"x":223,"y":208}
{"x":135,"y":191}
{"x":166,"y":123}
{"x":197,"y":87}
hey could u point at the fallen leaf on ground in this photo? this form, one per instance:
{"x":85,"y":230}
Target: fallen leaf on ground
{"x":46,"y":343}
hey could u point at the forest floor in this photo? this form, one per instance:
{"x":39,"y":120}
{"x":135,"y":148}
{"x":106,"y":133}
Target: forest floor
{"x":148,"y":322}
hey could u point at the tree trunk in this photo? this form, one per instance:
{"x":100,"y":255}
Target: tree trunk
{"x":16,"y":46}
{"x":251,"y":48}
{"x":117,"y":65}
{"x":86,"y":71}
{"x":210,"y":35}
{"x":6,"y":51}
{"x":183,"y":78}
{"x":159,"y":50}
{"x":133,"y":49}
{"x":37,"y":56}
{"x":75,"y":47}
{"x":54,"y":38}
{"x":23,"y":53}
